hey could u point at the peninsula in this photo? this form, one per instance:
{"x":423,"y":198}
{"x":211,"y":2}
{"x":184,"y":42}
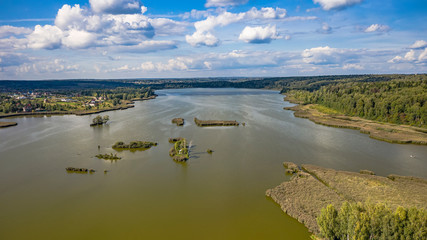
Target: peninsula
{"x":312,"y":188}
{"x":7,"y":124}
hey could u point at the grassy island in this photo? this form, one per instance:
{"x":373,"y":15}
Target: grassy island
{"x":108,"y":156}
{"x":179,"y":152}
{"x":178,"y":121}
{"x":7,"y":124}
{"x":213,"y":123}
{"x":313,"y":188}
{"x":134,"y":145}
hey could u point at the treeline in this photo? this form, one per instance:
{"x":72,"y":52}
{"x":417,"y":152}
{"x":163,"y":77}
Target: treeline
{"x":369,"y":221}
{"x":402,"y":101}
{"x":120,"y":93}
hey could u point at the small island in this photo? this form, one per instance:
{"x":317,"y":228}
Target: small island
{"x":134,"y":145}
{"x":108,"y":156}
{"x":178,"y":121}
{"x":179,"y":152}
{"x":98,"y":120}
{"x":79,"y":170}
{"x":7,"y":124}
{"x":213,"y":123}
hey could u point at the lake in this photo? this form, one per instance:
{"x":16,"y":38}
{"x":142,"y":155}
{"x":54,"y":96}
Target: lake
{"x":146,"y":195}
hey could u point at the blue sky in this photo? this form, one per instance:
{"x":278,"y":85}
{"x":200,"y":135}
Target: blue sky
{"x":212,"y":38}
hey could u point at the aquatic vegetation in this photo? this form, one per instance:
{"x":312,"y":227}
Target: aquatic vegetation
{"x":178,"y":121}
{"x":212,"y":123}
{"x":134,"y":145}
{"x":179,"y":152}
{"x":108,"y":156}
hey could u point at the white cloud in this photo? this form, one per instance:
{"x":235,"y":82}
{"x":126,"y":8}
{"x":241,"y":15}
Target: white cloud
{"x":327,"y":55}
{"x":79,"y":39}
{"x":13,"y":43}
{"x":168,"y":27}
{"x":259,"y":34}
{"x":70,"y":17}
{"x":350,"y":66}
{"x":336,"y":4}
{"x":326,"y":28}
{"x":411,"y":57}
{"x":419,"y":44}
{"x":224,"y":3}
{"x":148,"y":46}
{"x":423,"y":56}
{"x":116,"y":6}
{"x":235,"y":59}
{"x":46,"y":37}
{"x":199,"y":38}
{"x":202,"y":35}
{"x":377,"y":28}
{"x":7,"y":30}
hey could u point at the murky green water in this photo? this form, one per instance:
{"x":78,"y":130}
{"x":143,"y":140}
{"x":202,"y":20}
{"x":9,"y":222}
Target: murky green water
{"x":146,"y":195}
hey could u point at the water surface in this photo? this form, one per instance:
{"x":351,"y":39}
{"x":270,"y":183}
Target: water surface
{"x":146,"y":195}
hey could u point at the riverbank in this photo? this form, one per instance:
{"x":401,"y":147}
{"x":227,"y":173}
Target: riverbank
{"x":7,"y":124}
{"x":388,"y":132}
{"x":313,"y":188}
{"x":126,"y":105}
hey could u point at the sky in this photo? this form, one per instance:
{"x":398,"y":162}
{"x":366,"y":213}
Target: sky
{"x":106,"y":39}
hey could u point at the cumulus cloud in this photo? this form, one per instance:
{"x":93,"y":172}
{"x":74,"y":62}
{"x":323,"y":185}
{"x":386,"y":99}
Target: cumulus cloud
{"x":326,"y":28}
{"x":411,"y":57}
{"x":419,"y":44}
{"x":200,"y":38}
{"x":79,"y":28}
{"x":327,"y":55}
{"x":46,"y":37}
{"x":116,"y":6}
{"x":377,"y":28}
{"x":225,"y":18}
{"x":259,"y":34}
{"x":224,"y":3}
{"x":7,"y":30}
{"x":336,"y":4}
{"x":79,"y":39}
{"x":167,"y":27}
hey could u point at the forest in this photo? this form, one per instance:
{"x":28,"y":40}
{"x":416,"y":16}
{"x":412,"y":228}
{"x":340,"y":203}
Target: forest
{"x":399,"y":101}
{"x":372,"y":221}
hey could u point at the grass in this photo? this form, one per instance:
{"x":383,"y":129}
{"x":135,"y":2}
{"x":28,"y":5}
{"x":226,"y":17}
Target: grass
{"x":304,"y":197}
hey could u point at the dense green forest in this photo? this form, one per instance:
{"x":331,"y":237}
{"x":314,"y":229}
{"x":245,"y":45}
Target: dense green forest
{"x":400,"y":101}
{"x":369,"y":221}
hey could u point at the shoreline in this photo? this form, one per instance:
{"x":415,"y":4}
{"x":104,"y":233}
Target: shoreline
{"x":7,"y":124}
{"x":388,"y":132}
{"x":78,"y":113}
{"x":312,"y":188}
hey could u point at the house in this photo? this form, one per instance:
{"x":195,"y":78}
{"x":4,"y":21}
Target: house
{"x":27,"y":108}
